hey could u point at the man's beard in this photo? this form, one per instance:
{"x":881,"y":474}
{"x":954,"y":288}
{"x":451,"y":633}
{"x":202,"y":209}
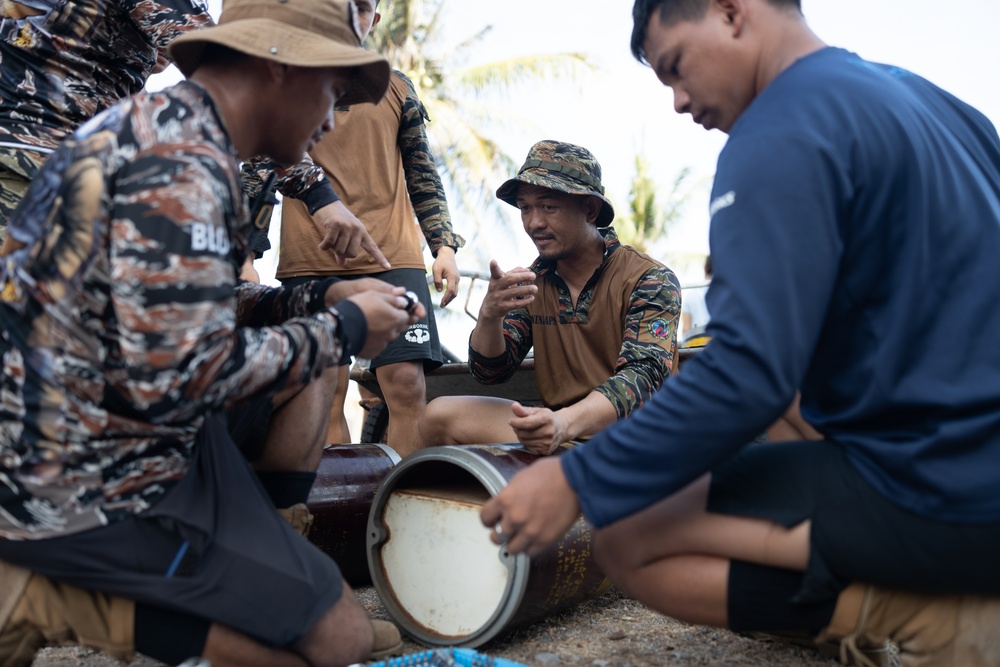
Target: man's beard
{"x":553,"y":255}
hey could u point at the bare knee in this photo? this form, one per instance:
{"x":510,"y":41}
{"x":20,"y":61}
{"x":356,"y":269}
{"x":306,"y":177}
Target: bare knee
{"x":343,"y":636}
{"x":435,"y":420}
{"x":615,"y":557}
{"x":623,"y":551}
{"x":321,"y":389}
{"x":296,"y":433}
{"x":403,"y":380}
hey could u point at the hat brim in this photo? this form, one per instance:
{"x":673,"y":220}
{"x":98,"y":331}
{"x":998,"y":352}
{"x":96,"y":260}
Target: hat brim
{"x":301,"y":48}
{"x":554,"y":181}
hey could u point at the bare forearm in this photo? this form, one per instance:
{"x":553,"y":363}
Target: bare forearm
{"x":588,"y":416}
{"x":487,"y":337}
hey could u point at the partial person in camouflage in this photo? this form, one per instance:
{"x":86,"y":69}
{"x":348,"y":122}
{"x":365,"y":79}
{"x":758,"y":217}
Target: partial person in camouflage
{"x":63,"y":62}
{"x":602,"y":317}
{"x":130,"y":518}
{"x":378,"y":160}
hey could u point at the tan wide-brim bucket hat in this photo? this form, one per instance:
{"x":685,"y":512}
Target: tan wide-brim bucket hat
{"x":564,"y":167}
{"x":304,"y":33}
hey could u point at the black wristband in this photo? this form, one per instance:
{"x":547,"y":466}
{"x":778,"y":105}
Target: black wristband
{"x":317,"y":293}
{"x":319,"y":195}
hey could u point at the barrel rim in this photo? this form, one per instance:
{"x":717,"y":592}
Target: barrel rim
{"x":518,"y":565}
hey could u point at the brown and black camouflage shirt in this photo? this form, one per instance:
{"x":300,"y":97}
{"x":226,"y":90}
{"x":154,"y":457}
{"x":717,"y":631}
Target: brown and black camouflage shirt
{"x":63,"y":61}
{"x":619,"y":338}
{"x":119,"y":316}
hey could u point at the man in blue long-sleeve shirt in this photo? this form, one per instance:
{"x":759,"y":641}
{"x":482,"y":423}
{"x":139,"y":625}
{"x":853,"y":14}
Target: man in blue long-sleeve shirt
{"x":855,"y":225}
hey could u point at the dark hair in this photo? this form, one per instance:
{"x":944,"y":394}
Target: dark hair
{"x":708,"y":265}
{"x":670,"y":12}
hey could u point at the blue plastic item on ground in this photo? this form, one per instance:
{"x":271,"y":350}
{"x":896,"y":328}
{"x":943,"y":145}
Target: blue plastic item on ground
{"x":446,"y":657}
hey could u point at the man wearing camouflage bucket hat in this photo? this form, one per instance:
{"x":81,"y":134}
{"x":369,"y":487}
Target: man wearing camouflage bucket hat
{"x":563,"y":167}
{"x":602,"y":317}
{"x":130,"y":519}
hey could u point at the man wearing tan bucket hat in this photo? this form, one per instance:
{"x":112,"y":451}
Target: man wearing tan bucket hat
{"x":130,"y":518}
{"x":602,"y":317}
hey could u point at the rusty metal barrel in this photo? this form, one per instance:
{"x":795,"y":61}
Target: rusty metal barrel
{"x":433,"y":564}
{"x":340,"y":500}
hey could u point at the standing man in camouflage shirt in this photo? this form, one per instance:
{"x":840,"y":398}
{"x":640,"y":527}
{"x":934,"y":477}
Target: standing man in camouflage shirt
{"x":379,"y":162}
{"x":130,"y":519}
{"x":601,"y":316}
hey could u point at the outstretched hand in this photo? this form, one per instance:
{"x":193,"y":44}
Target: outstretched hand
{"x":507,"y":290}
{"x":534,"y":510}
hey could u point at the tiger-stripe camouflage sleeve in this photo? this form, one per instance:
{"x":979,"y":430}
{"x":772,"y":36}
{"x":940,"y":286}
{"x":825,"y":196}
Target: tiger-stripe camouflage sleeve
{"x":163,"y":20}
{"x":517,"y":337}
{"x":305,"y":181}
{"x":262,"y":305}
{"x":423,"y":183}
{"x":648,"y":353}
{"x":173,"y":292}
{"x":64,"y":62}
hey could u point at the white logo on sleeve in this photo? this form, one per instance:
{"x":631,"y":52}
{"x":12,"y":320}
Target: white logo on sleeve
{"x":209,"y":237}
{"x":721,"y":202}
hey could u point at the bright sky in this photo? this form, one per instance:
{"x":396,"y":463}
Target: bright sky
{"x":623,"y":110}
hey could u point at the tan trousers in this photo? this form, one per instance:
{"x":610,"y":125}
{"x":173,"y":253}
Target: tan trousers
{"x":36,"y":612}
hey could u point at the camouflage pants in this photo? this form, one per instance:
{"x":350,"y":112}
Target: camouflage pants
{"x":17,"y":168}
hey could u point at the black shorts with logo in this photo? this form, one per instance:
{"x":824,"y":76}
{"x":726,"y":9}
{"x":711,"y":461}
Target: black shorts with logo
{"x":418,"y":343}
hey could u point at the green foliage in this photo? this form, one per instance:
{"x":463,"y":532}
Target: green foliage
{"x":651,"y":216}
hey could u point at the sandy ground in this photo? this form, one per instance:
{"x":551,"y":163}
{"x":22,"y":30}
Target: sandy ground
{"x":611,"y":631}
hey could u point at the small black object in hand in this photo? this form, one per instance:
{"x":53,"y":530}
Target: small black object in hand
{"x":411,"y":301}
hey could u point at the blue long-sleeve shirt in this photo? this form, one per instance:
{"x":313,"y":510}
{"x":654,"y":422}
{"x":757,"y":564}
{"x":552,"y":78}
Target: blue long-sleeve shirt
{"x":855,"y":236}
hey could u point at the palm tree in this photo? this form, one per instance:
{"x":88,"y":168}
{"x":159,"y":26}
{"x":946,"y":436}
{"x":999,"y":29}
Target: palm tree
{"x":650,"y":217}
{"x":462,"y":102}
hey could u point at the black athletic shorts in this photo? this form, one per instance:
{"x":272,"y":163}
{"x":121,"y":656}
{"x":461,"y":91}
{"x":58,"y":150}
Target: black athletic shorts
{"x":418,"y":343}
{"x":857,"y":535}
{"x":214,"y":547}
{"x":248,"y":421}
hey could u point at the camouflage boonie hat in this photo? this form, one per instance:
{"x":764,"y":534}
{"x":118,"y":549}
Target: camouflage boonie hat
{"x":563,"y":167}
